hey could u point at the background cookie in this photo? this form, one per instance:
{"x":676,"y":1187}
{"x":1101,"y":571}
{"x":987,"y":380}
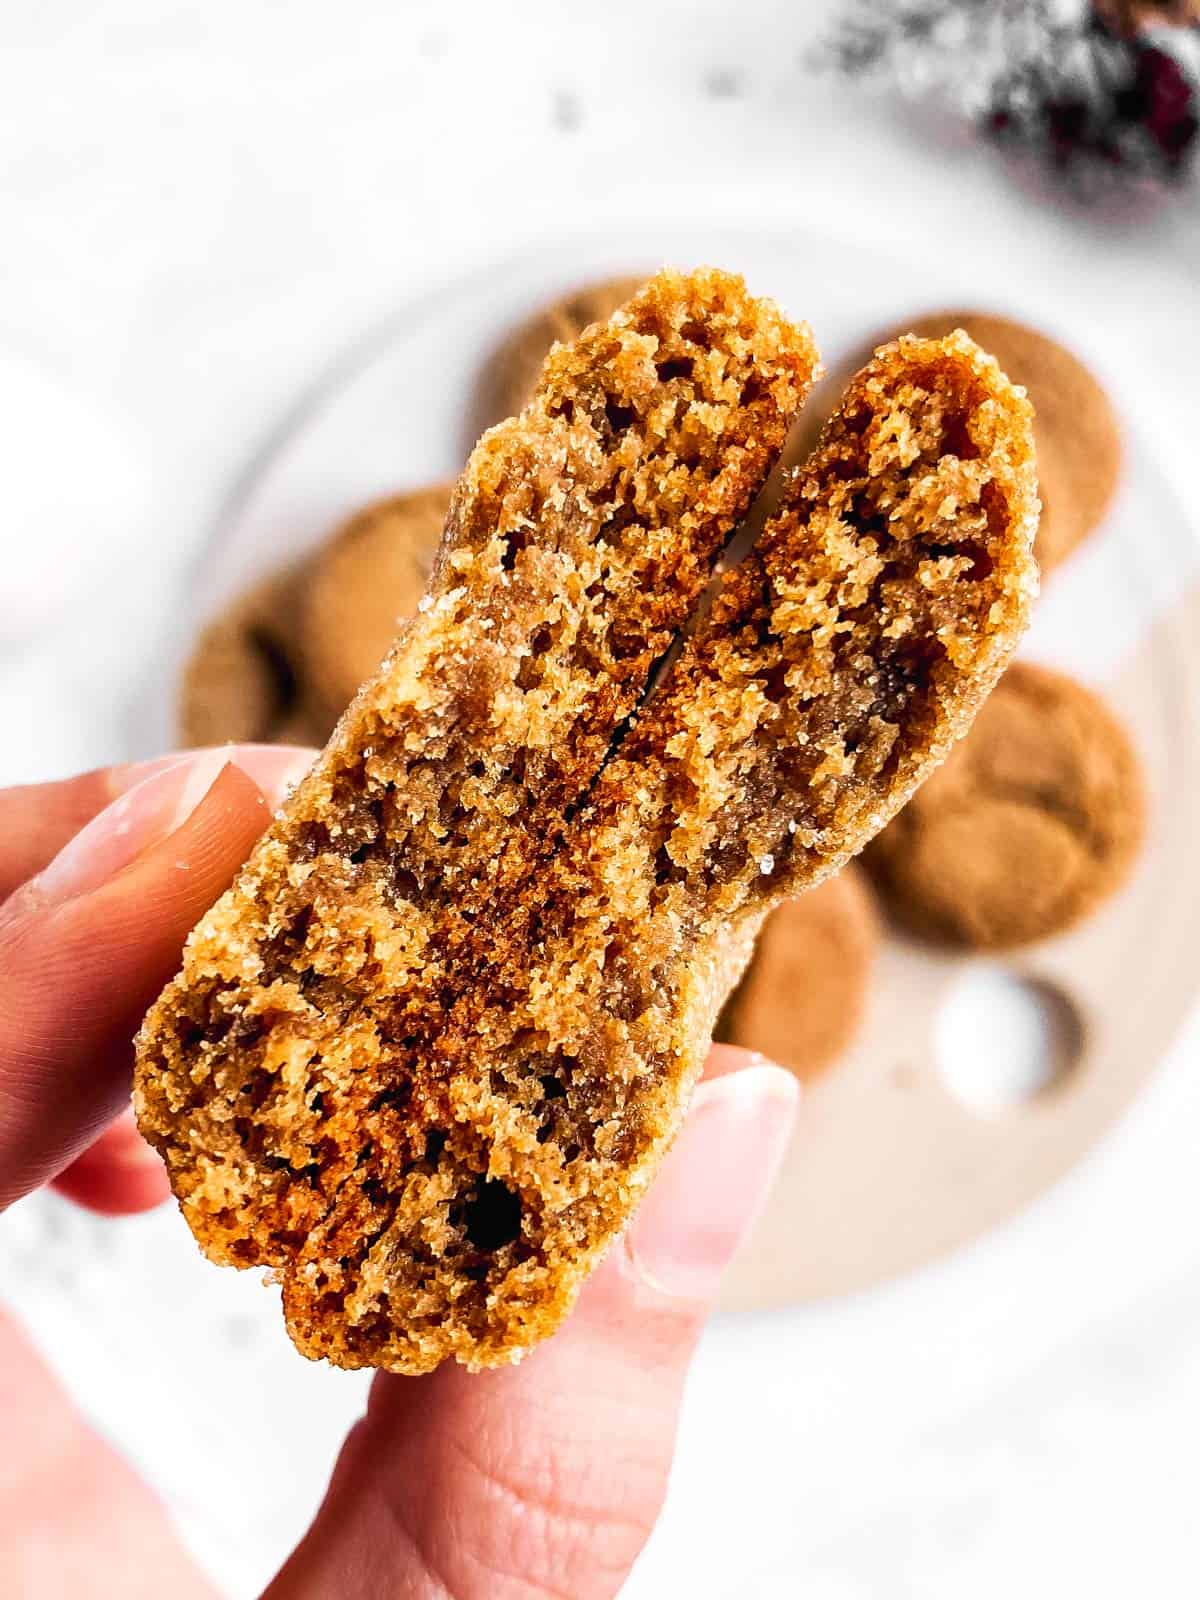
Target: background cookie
{"x":513,"y":369}
{"x":1034,"y":819}
{"x":1078,"y":439}
{"x":805,"y":991}
{"x":368,"y":579}
{"x":242,"y":681}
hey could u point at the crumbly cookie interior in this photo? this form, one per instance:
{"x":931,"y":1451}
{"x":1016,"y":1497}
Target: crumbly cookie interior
{"x":426,"y":1055}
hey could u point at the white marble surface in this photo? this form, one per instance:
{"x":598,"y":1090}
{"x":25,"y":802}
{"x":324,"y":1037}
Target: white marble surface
{"x":200,"y":206}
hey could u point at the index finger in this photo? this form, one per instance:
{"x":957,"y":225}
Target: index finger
{"x":37,"y":819}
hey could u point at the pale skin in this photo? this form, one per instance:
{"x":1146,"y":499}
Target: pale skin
{"x":538,"y":1480}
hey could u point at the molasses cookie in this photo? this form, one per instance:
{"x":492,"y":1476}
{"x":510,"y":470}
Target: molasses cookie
{"x":363,"y":586}
{"x":1031,"y":824}
{"x":805,"y":992}
{"x":425,"y":1056}
{"x":242,"y":681}
{"x":513,"y":371}
{"x":1078,"y":438}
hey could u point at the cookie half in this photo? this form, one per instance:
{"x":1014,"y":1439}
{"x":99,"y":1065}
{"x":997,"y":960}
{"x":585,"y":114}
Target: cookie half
{"x":579,"y":539}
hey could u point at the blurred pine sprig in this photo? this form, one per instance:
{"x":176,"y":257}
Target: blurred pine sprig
{"x":1105,"y":95}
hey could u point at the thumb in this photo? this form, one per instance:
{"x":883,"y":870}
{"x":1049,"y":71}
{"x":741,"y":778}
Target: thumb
{"x":87,"y":944}
{"x":546,"y":1478}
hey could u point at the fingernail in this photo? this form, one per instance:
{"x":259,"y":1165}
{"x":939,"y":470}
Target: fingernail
{"x":714,"y":1182}
{"x":726,"y":1058}
{"x":275,"y":768}
{"x":295,"y":764}
{"x":143,"y":815}
{"x":135,"y":1155}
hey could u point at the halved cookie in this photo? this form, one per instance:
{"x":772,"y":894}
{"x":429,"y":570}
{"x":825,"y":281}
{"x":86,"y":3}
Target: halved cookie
{"x":426,"y":1055}
{"x":579,"y":540}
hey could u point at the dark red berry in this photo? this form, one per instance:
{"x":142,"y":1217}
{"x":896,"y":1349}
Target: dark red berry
{"x":1169,"y":103}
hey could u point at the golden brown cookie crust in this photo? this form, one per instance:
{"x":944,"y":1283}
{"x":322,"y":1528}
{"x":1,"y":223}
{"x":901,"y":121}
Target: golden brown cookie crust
{"x":1078,"y":437}
{"x":426,"y":1054}
{"x":515,"y":367}
{"x":1033,"y":822}
{"x":364,"y":585}
{"x":804,"y":994}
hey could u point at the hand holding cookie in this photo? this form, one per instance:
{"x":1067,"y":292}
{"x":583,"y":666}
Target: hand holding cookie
{"x":101,"y":876}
